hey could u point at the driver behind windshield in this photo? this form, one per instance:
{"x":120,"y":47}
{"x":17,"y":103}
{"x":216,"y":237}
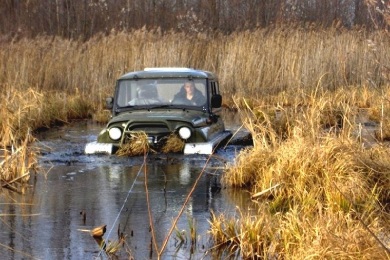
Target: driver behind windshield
{"x":189,"y":95}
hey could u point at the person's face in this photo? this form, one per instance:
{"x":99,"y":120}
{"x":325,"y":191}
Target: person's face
{"x":189,"y":88}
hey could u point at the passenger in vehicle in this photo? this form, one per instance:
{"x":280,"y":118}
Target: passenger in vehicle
{"x":146,"y":95}
{"x":189,"y":95}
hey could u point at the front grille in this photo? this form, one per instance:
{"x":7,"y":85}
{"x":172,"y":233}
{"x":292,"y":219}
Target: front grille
{"x":156,"y":132}
{"x":149,"y":128}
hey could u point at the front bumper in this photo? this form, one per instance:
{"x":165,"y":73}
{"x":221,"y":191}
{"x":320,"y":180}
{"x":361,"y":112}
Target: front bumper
{"x":99,"y":148}
{"x":189,"y":148}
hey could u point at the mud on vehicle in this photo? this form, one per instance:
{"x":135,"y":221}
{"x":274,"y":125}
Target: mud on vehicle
{"x":162,"y":102}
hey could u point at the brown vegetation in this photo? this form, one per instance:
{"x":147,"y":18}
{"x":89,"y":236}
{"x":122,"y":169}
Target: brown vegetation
{"x":260,"y":63}
{"x":325,"y":192}
{"x":137,"y":145}
{"x":299,"y":91}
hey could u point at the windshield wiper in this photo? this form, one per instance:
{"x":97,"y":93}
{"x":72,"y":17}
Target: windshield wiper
{"x":130,"y":107}
{"x":160,"y":106}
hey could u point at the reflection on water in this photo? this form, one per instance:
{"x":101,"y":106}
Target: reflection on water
{"x":81,"y":192}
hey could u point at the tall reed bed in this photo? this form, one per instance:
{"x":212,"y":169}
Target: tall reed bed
{"x":255,"y":63}
{"x":329,"y":188}
{"x":21,"y":114}
{"x":321,"y":193}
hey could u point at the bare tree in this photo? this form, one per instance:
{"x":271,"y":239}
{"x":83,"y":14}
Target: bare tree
{"x":84,"y":18}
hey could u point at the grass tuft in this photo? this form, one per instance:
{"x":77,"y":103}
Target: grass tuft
{"x":173,"y":144}
{"x":331,"y":190}
{"x":137,"y":145}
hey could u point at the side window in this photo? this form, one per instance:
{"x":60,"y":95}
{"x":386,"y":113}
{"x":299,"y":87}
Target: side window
{"x":215,"y":98}
{"x":214,"y":88}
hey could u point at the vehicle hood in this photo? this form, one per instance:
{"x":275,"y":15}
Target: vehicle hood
{"x":145,"y":115}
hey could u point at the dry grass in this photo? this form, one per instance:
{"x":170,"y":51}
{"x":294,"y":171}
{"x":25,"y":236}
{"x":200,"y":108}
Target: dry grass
{"x":260,"y":63}
{"x":16,"y":164}
{"x":137,"y":145}
{"x":301,"y":86}
{"x":173,"y":144}
{"x":23,"y":112}
{"x":331,"y":193}
{"x":17,"y":118}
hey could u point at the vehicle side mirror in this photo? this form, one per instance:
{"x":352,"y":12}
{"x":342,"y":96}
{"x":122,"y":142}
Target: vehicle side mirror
{"x":216,"y":101}
{"x":109,"y":103}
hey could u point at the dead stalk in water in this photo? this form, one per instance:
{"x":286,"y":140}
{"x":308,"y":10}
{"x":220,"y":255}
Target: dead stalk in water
{"x":154,"y":241}
{"x":161,"y":250}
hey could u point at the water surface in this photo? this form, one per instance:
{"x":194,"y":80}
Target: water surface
{"x":74,"y":193}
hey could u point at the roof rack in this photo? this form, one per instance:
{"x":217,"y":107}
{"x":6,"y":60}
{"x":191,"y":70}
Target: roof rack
{"x":176,"y":69}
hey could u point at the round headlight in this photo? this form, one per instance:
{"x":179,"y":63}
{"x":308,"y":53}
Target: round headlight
{"x":115,"y":133}
{"x":185,"y":133}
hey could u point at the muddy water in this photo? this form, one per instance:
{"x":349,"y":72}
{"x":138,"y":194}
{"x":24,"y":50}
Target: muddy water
{"x":75,"y":193}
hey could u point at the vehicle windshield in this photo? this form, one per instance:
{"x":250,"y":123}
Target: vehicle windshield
{"x":160,"y":92}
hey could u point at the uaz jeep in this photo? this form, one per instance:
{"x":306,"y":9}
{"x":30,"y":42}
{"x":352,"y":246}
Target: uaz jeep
{"x":161,"y":102}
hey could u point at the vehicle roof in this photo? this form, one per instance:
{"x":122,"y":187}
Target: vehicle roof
{"x":168,"y":72}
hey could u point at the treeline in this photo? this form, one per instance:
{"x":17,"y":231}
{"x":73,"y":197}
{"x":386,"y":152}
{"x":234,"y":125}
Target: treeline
{"x":85,"y":18}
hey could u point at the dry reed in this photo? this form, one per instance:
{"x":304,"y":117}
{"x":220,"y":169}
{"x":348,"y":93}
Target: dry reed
{"x":312,"y":81}
{"x":331,"y":190}
{"x":136,"y":145}
{"x":173,"y":144}
{"x":259,"y":63}
{"x":23,"y":112}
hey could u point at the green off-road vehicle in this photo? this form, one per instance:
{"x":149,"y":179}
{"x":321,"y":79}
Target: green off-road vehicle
{"x":162,"y":102}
